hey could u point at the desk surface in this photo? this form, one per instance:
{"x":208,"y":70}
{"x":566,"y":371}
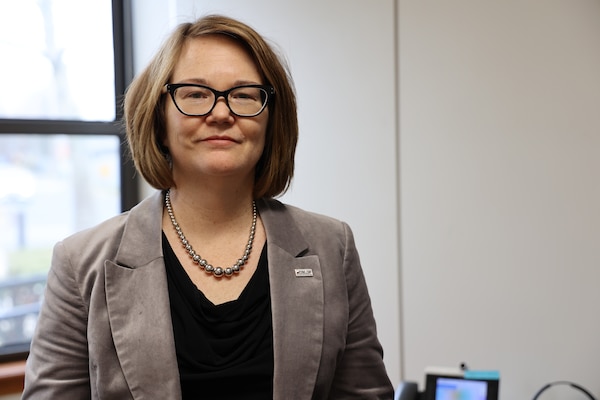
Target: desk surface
{"x":12,"y":377}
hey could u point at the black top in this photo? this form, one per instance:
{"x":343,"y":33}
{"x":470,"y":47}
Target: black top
{"x":223,"y":351}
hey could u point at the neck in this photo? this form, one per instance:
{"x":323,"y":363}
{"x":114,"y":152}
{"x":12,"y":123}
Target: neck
{"x":202,"y":207}
{"x":216,"y":195}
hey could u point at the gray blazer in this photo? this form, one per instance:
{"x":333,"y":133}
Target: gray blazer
{"x":105,"y":331}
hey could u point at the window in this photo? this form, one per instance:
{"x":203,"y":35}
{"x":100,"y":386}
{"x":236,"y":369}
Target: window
{"x":63,"y":163}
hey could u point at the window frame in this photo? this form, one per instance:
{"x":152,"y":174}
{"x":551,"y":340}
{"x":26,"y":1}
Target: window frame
{"x":123,"y":69}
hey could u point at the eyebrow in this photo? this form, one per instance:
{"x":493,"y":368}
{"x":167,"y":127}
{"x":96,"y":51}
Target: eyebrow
{"x":202,"y":81}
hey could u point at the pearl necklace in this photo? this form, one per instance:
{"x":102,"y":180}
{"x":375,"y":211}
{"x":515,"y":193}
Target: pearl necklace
{"x":216,"y":271}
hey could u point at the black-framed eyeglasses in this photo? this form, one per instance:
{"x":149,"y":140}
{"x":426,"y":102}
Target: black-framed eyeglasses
{"x":198,"y":100}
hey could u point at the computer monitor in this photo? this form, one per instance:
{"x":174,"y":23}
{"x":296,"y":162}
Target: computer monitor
{"x":475,"y":385}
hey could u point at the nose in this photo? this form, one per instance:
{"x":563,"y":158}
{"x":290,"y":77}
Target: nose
{"x":221,"y":110}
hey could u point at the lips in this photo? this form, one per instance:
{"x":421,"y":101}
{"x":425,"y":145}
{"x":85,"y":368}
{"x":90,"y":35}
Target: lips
{"x":219,"y":138}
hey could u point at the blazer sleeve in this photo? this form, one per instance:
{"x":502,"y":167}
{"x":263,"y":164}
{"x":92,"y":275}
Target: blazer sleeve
{"x":57,"y":366}
{"x":361,"y":373}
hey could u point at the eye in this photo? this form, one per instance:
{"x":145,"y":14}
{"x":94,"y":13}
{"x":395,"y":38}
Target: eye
{"x":246,"y":94}
{"x":193,"y":93}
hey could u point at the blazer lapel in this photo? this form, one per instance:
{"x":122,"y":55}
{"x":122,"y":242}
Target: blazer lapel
{"x":137,"y":299}
{"x":296,"y":302}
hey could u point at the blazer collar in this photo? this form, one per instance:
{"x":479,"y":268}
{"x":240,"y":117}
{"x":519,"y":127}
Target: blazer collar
{"x":142,"y":237}
{"x":142,"y":240}
{"x":281,"y":228}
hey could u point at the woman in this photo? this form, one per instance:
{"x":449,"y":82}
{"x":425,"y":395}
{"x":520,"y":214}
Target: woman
{"x":209,"y":289}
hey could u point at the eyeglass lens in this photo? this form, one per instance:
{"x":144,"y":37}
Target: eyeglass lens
{"x":243,"y":101}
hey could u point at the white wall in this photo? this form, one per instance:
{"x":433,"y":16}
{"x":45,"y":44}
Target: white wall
{"x":497,"y":163}
{"x":500,"y":182}
{"x":342,"y":57}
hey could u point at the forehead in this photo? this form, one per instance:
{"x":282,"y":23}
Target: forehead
{"x":211,"y":57}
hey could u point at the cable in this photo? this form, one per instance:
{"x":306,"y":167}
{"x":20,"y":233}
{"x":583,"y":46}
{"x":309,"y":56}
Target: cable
{"x":573,"y":385}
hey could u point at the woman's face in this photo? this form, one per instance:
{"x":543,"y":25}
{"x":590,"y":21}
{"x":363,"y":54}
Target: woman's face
{"x":219,"y":144}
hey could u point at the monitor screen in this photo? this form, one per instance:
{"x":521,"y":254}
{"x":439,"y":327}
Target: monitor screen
{"x":450,"y":387}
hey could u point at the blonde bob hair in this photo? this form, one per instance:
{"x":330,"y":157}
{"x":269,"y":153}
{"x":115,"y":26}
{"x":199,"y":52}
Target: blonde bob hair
{"x":144,"y":107}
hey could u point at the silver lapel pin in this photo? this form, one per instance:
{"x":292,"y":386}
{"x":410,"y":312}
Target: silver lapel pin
{"x":303,"y":273}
